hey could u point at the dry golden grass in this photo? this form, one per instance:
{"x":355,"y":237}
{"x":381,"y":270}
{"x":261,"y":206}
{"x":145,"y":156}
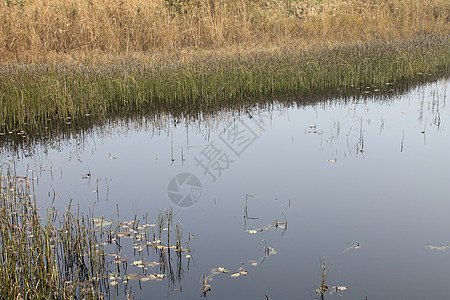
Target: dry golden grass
{"x":91,"y":30}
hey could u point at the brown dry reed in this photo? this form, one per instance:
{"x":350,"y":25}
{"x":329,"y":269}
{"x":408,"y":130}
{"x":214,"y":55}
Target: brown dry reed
{"x":36,"y":30}
{"x":70,"y":60}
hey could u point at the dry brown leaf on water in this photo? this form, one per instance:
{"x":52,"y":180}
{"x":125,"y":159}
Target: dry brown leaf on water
{"x":152,"y":264}
{"x":441,"y":248}
{"x":253,"y":231}
{"x":243,"y":272}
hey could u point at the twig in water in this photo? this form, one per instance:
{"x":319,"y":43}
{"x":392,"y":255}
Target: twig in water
{"x":403,"y":139}
{"x":356,"y":246}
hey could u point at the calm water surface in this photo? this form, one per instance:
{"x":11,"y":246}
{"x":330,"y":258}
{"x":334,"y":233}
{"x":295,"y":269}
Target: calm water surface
{"x":363,"y":183}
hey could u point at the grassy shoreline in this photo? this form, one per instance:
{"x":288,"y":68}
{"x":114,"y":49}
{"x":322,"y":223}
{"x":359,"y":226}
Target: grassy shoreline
{"x":33,"y":96}
{"x":64,"y":60}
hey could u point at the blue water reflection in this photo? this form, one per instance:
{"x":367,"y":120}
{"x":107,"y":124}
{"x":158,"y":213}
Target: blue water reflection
{"x":373,"y":172}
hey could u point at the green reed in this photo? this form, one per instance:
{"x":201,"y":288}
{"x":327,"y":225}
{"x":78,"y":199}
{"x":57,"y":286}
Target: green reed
{"x":40,"y":260}
{"x":71,"y":255}
{"x":33,"y":97}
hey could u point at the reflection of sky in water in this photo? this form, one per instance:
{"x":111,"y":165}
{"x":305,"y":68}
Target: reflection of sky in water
{"x":342,"y":173}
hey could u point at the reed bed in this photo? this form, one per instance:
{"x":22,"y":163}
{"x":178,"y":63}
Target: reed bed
{"x":92,"y":30}
{"x":76,"y":256}
{"x":35,"y":96}
{"x":64,"y":62}
{"x":40,"y":260}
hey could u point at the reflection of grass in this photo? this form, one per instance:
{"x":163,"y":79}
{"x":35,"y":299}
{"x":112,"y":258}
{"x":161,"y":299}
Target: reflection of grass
{"x":71,"y":255}
{"x":35,"y":97}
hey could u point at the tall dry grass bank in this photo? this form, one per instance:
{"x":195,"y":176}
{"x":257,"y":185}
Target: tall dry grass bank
{"x":34,"y":30}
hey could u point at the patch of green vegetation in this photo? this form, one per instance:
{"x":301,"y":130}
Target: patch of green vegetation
{"x":35,"y":97}
{"x":39,"y":260}
{"x":73,"y":256}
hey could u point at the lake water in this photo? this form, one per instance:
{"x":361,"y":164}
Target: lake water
{"x":363,"y":183}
